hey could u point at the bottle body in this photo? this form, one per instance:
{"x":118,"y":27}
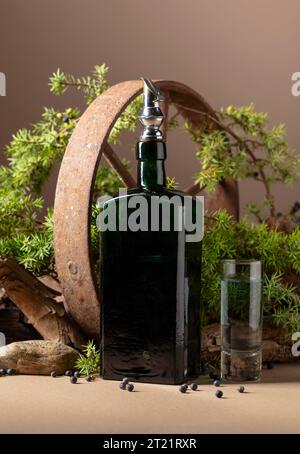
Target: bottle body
{"x":150,"y":293}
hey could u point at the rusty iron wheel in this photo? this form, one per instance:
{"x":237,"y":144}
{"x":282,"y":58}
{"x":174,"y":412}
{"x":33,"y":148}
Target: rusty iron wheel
{"x":75,"y":189}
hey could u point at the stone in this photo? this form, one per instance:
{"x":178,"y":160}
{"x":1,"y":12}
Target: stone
{"x":37,"y":357}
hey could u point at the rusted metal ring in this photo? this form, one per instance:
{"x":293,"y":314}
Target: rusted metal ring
{"x":75,"y":188}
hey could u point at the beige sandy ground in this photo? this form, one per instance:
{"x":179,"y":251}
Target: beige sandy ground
{"x":32,"y":404}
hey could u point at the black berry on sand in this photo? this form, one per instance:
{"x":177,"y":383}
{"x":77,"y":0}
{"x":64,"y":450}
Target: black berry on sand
{"x":183,"y":388}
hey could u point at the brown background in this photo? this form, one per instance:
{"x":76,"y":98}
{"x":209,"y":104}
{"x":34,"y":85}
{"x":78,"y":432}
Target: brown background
{"x":231,"y":51}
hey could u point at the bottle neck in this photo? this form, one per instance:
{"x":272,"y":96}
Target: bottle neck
{"x":151,"y":157}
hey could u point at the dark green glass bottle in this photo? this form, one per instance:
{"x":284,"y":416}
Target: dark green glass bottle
{"x":150,"y":274}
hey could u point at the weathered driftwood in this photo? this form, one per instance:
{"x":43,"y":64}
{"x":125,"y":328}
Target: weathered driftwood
{"x":37,"y":357}
{"x":39,"y":304}
{"x":51,"y":283}
{"x":274,"y":346}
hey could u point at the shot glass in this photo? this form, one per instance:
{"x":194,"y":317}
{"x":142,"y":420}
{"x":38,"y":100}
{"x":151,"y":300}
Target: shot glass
{"x":241,"y":320}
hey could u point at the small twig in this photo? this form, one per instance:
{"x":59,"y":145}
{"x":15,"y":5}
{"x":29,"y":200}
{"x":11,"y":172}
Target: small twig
{"x":74,"y":120}
{"x":73,"y":84}
{"x":254,"y":142}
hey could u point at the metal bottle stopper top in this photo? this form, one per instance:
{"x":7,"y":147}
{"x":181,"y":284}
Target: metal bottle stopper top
{"x":151,"y":116}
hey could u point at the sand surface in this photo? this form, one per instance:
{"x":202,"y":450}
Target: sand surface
{"x":33,"y":404}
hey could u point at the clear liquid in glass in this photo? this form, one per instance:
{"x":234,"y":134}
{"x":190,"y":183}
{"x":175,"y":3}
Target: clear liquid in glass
{"x":241,"y":329}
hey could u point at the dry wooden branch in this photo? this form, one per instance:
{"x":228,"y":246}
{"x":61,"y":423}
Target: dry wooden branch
{"x":38,"y":304}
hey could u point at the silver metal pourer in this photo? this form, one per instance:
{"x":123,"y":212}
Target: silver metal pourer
{"x":151,"y":116}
